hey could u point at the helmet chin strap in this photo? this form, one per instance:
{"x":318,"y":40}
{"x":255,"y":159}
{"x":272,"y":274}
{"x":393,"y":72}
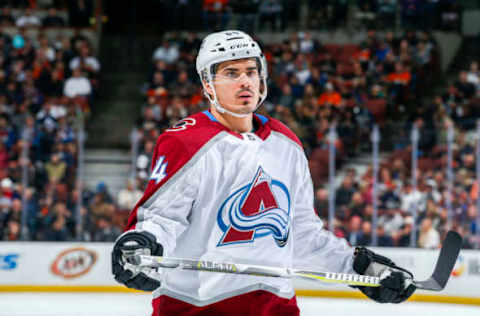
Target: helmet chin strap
{"x":224,"y":110}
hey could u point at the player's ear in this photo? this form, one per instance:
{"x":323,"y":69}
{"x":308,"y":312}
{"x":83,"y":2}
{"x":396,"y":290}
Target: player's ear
{"x":208,"y":88}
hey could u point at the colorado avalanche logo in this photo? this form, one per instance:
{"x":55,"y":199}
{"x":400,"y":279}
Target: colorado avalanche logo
{"x":256,"y":210}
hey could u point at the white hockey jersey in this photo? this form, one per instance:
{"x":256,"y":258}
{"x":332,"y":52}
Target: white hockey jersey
{"x":218,"y":195}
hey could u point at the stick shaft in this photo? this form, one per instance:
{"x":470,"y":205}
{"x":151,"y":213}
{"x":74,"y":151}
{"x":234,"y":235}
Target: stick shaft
{"x":256,"y":270}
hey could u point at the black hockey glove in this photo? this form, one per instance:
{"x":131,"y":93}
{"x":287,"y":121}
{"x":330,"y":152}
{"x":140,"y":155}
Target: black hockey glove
{"x":395,"y":281}
{"x":127,"y":273}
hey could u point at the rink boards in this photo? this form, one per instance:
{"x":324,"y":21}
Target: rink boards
{"x":85,"y":267}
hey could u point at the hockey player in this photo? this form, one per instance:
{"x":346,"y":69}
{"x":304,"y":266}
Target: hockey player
{"x":228,"y":184}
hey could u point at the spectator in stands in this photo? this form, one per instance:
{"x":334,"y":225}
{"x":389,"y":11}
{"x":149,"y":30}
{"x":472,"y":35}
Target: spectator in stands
{"x":52,"y":19}
{"x":128,"y":197}
{"x":401,"y":76}
{"x":330,"y":97}
{"x":307,"y":44}
{"x":55,"y":169}
{"x":321,"y":203}
{"x":58,"y":230}
{"x":183,"y":85}
{"x":465,"y":88}
{"x":105,"y":231}
{"x":155,"y":108}
{"x":101,"y":204}
{"x":14,"y":216}
{"x":87,"y":226}
{"x":450,"y":99}
{"x":32,"y":210}
{"x":167,"y":53}
{"x":357,"y":204}
{"x":87,"y":63}
{"x":384,"y":239}
{"x":77,"y":85}
{"x":365,"y":238}
{"x":411,"y":199}
{"x":427,"y":137}
{"x":473,"y":75}
{"x":354,"y":230}
{"x":404,"y":235}
{"x":422,"y":53}
{"x":44,"y":51}
{"x":175,"y":111}
{"x":59,"y":223}
{"x":28,"y":19}
{"x":429,"y":237}
{"x":345,"y":192}
{"x":7,"y":193}
{"x":12,"y":231}
{"x":287,"y":100}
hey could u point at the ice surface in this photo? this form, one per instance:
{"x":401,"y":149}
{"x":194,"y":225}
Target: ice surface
{"x":121,"y":304}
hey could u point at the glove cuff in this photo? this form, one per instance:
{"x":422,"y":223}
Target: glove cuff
{"x":364,"y":257}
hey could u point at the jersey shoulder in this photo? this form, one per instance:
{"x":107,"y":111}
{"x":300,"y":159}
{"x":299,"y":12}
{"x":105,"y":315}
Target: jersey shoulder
{"x":186,"y":137}
{"x":199,"y":125}
{"x":279,"y":127}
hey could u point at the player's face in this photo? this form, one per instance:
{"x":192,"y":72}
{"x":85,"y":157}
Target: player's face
{"x":237,"y":85}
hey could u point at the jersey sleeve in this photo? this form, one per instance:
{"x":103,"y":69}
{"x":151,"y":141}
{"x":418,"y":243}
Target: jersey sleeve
{"x":315,"y":247}
{"x":167,"y":201}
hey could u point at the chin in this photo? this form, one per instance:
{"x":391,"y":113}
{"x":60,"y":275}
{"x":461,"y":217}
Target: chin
{"x":248,"y":108}
{"x":244,"y":108}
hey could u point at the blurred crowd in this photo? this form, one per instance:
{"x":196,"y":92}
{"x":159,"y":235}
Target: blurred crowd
{"x":403,"y":202}
{"x":47,"y":84}
{"x":278,"y":15}
{"x":47,"y":13}
{"x":400,"y":197}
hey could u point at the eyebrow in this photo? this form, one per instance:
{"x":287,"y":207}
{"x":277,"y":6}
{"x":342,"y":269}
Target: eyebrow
{"x":236,"y":69}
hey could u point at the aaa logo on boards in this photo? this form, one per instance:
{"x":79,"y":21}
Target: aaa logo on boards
{"x":73,"y":262}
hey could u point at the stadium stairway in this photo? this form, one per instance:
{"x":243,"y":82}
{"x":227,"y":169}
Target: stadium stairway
{"x":125,"y":65}
{"x":110,"y":166}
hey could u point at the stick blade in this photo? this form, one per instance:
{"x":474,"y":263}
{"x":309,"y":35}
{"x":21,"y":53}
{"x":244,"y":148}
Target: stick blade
{"x":429,"y":285}
{"x":445,"y":263}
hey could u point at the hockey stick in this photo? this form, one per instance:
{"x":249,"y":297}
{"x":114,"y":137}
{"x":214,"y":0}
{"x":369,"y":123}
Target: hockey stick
{"x":438,"y":280}
{"x":257,"y":270}
{"x":445,"y":264}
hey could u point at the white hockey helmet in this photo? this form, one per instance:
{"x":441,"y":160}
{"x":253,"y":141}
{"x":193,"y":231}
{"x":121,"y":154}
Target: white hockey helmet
{"x":225,"y":46}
